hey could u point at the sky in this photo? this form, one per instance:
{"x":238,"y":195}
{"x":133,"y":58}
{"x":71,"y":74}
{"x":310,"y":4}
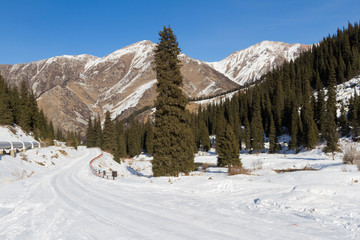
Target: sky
{"x":206,"y":30}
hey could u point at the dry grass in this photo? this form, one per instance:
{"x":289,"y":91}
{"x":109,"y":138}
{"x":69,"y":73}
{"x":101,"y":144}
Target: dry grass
{"x":63,"y":152}
{"x":257,"y":165}
{"x":23,"y":157}
{"x":351,"y":155}
{"x":295,"y":169}
{"x":40,"y":163}
{"x":22,"y":175}
{"x":204,"y":166}
{"x":235,"y":170}
{"x":13,"y":130}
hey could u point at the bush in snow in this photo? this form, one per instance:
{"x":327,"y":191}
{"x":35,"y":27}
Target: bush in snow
{"x":351,"y":155}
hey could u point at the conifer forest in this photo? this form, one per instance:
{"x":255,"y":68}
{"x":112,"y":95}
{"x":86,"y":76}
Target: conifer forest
{"x":298,"y":99}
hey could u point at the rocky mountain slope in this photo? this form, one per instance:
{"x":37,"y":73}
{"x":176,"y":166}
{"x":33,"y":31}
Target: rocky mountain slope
{"x":70,"y":89}
{"x":248,"y":65}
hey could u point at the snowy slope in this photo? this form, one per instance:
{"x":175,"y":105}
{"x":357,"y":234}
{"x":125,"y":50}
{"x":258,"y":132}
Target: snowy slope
{"x":248,"y":65}
{"x":14,"y":134}
{"x":66,"y":201}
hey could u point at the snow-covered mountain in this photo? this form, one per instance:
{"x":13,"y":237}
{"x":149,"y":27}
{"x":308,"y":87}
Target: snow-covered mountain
{"x":72,"y":88}
{"x":248,"y":65}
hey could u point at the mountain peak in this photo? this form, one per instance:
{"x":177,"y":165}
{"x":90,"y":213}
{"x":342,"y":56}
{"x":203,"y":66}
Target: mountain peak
{"x":248,"y":65}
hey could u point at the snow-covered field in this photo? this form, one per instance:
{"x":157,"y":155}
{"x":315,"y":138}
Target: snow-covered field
{"x":62,"y":199}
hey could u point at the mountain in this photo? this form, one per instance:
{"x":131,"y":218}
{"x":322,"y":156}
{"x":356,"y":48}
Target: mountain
{"x":248,"y":65}
{"x":71,"y":88}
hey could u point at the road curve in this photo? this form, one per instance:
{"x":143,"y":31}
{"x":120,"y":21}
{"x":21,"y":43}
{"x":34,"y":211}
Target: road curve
{"x":69,"y":202}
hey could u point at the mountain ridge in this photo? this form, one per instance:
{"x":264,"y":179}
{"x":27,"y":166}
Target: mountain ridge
{"x":71,"y":88}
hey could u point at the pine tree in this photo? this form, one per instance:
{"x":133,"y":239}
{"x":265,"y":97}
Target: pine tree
{"x":343,"y":123}
{"x":6,"y":116}
{"x":25,"y":118}
{"x":134,"y":139}
{"x":257,"y":131}
{"x":272,"y":136}
{"x":204,"y":137}
{"x":227,"y":148}
{"x":247,"y":134}
{"x":109,"y":143}
{"x":173,"y":140}
{"x":310,"y":131}
{"x":294,"y":127}
{"x":120,"y":141}
{"x":149,"y":138}
{"x":98,"y":132}
{"x":331,"y":135}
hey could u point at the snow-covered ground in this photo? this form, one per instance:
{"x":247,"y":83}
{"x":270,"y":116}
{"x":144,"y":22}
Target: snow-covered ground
{"x":62,"y":199}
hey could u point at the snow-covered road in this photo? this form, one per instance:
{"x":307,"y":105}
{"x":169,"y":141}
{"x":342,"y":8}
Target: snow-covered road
{"x":68,"y":202}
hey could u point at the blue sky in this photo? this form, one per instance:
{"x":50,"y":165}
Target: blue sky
{"x":206,"y":30}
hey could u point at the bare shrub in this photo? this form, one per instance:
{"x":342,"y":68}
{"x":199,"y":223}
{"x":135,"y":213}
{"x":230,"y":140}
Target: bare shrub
{"x":12,"y":129}
{"x":22,"y":175}
{"x":63,"y":152}
{"x":351,"y":155}
{"x":234,"y":170}
{"x":204,"y":166}
{"x":23,"y":157}
{"x":257,"y":165}
{"x":306,"y":168}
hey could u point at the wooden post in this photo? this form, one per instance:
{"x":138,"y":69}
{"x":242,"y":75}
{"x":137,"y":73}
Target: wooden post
{"x":12,"y":152}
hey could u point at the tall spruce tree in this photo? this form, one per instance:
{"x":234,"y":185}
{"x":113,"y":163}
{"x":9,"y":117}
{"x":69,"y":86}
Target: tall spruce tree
{"x":173,"y":140}
{"x":149,"y":137}
{"x":109,"y":143}
{"x":331,"y":135}
{"x":227,"y":148}
{"x":257,"y":130}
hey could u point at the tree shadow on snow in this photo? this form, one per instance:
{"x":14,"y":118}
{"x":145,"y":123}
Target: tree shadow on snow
{"x":134,"y":172}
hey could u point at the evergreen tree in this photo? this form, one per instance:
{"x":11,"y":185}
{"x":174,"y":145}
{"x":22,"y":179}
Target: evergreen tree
{"x":173,"y":140}
{"x":227,"y":148}
{"x":6,"y":116}
{"x":343,"y":123}
{"x":120,"y":141}
{"x":272,"y":136}
{"x":294,"y":127}
{"x":331,"y":135}
{"x":134,"y":139}
{"x":98,"y":132}
{"x":247,"y":134}
{"x":204,"y":137}
{"x":90,"y":134}
{"x":109,"y":143}
{"x":149,"y":138}
{"x":257,"y":132}
{"x":310,"y":132}
{"x":25,"y":115}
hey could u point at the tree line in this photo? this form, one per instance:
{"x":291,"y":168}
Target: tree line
{"x":298,"y":99}
{"x":18,"y":106}
{"x":119,"y":138}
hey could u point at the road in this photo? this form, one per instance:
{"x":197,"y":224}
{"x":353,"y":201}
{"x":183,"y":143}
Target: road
{"x":68,"y":202}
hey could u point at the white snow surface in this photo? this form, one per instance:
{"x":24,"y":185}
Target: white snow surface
{"x":14,"y":134}
{"x":62,"y":199}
